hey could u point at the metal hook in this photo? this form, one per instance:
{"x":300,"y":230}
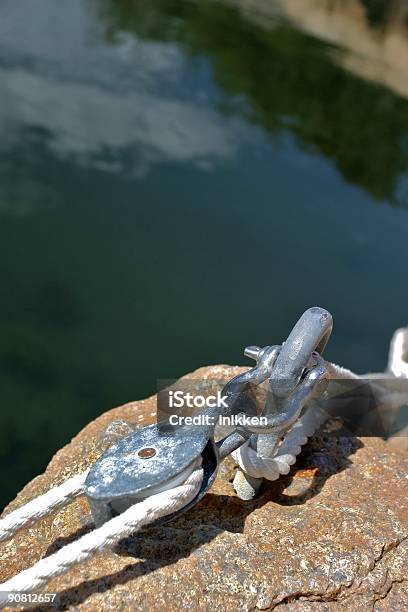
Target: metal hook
{"x":309,"y":335}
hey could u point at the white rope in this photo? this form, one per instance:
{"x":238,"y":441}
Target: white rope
{"x":42,"y":506}
{"x":337,"y":372}
{"x":98,"y":540}
{"x":398,"y":355}
{"x":272,"y":467}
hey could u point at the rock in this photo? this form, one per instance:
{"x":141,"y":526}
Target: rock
{"x":332,"y":535}
{"x":399,"y":442}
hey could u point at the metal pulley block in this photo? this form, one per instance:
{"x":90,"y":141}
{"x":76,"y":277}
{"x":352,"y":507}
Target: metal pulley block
{"x":159,"y":457}
{"x":146,"y":462}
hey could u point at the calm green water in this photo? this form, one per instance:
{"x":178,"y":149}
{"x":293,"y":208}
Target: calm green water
{"x":176,"y":182}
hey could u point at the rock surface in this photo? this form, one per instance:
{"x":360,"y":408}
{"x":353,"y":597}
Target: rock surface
{"x":332,"y":535}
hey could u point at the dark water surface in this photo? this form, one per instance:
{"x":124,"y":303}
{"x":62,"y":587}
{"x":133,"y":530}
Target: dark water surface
{"x":178,"y":181}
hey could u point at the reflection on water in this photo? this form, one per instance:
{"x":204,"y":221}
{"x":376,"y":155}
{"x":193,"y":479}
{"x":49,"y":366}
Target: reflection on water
{"x":289,"y":80}
{"x":178,"y":180}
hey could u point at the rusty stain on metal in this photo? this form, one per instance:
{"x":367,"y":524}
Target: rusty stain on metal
{"x":147,"y":453}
